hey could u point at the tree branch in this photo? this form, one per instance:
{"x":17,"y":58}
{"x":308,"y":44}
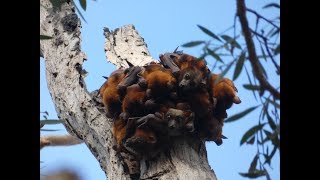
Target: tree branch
{"x":187,"y":157}
{"x":257,"y":71}
{"x":73,"y":103}
{"x":260,"y":16}
{"x":59,"y":140}
{"x":125,"y":45}
{"x":82,"y":113}
{"x":265,"y":42}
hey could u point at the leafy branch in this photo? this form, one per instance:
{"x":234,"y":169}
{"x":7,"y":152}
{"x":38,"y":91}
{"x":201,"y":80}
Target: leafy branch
{"x":266,"y":133}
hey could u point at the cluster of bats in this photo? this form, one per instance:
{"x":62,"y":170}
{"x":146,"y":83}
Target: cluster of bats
{"x":178,"y":96}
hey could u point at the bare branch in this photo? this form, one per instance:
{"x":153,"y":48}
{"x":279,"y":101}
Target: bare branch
{"x":125,"y":45}
{"x":265,"y":85}
{"x":260,"y":16}
{"x":73,"y":103}
{"x":63,"y":175}
{"x":81,"y":111}
{"x":265,"y":40}
{"x":59,"y":140}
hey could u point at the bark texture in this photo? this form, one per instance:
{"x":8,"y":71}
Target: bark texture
{"x":82,"y":112}
{"x":59,"y":140}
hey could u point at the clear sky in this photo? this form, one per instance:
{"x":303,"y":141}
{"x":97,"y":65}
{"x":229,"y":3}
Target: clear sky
{"x":164,"y":25}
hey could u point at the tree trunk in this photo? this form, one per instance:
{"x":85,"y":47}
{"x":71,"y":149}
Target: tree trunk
{"x":82,"y":112}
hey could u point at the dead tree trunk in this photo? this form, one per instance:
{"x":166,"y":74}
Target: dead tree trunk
{"x":82,"y":113}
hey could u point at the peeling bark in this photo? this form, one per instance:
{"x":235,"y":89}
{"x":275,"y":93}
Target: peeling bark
{"x":125,"y":45}
{"x":82,"y":112}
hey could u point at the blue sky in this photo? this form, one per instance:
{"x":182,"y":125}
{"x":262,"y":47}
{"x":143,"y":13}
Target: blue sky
{"x":164,"y":25}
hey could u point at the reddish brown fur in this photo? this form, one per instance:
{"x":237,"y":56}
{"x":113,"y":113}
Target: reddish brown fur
{"x":225,"y":92}
{"x":193,"y":72}
{"x":133,"y":102}
{"x":145,"y":135}
{"x":185,"y":61}
{"x":110,"y":94}
{"x":200,"y":102}
{"x":211,"y":128}
{"x":159,"y":79}
{"x":119,"y":130}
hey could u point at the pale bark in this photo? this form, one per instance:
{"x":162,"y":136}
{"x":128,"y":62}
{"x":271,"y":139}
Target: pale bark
{"x":81,"y":111}
{"x":125,"y":44}
{"x":59,"y":140}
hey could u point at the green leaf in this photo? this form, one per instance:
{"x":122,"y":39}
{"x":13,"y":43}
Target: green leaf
{"x":274,"y":103}
{"x":251,"y":132}
{"x":271,"y":122}
{"x":275,"y":140}
{"x":251,"y":87}
{"x":236,"y":44}
{"x":265,"y":140}
{"x":268,"y":158}
{"x":51,"y":121}
{"x":44,"y":37}
{"x":277,"y":50}
{"x":268,"y":133}
{"x":240,"y":115}
{"x":251,"y":141}
{"x":213,"y":54}
{"x":264,"y":109}
{"x":192,"y":43}
{"x":253,"y":164}
{"x":239,"y":66}
{"x":271,"y":5}
{"x":205,"y":30}
{"x":272,"y":136}
{"x":256,"y":173}
{"x":232,"y":41}
{"x":83,"y":4}
{"x":227,"y":38}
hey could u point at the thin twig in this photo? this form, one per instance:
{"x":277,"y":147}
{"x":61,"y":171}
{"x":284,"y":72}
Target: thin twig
{"x":260,"y":16}
{"x":265,"y":85}
{"x":234,"y":26}
{"x":265,"y":40}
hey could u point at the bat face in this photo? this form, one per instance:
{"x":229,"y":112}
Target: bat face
{"x":179,"y":121}
{"x":190,"y":80}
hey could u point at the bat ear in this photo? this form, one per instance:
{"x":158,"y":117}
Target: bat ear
{"x":223,"y":137}
{"x":191,"y":114}
{"x":176,"y":50}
